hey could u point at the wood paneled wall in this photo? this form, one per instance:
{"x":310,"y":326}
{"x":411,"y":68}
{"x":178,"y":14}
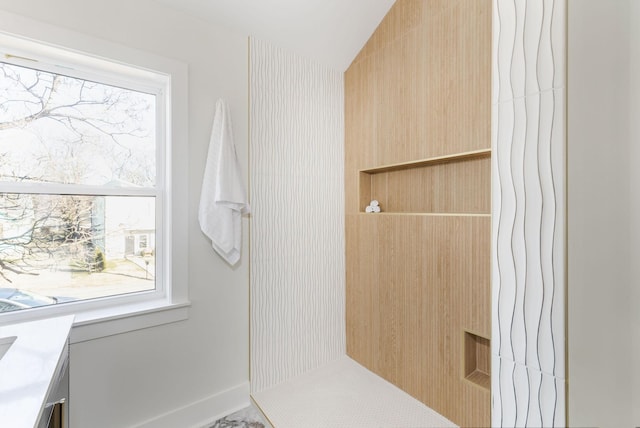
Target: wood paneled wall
{"x":418,"y":274}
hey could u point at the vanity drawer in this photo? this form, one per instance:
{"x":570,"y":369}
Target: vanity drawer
{"x":54,"y":411}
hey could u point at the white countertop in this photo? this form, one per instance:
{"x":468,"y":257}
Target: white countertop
{"x":28,"y":368}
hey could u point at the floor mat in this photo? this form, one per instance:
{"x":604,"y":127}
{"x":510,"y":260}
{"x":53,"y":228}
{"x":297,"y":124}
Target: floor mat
{"x":248,"y":417}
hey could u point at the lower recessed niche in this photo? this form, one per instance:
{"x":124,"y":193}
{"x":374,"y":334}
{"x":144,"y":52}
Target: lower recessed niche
{"x":477,"y":359}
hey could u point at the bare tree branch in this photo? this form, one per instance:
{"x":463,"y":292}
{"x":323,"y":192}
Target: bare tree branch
{"x":71,"y":119}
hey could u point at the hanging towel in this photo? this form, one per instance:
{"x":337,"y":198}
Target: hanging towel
{"x":223,"y":199}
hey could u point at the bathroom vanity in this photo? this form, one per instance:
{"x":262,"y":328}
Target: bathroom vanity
{"x":34,"y":383}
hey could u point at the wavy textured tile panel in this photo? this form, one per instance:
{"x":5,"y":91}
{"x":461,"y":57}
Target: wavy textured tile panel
{"x":297,"y":221}
{"x":527,"y":58}
{"x":529,"y":205}
{"x":525,"y":397}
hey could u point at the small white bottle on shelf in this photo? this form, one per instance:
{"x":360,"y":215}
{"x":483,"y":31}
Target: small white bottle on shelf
{"x":373,"y":207}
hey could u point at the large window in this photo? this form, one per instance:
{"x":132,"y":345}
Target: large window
{"x":82,"y":184}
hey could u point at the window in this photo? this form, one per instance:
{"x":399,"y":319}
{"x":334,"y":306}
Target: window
{"x":85,"y":189}
{"x":78,"y":166}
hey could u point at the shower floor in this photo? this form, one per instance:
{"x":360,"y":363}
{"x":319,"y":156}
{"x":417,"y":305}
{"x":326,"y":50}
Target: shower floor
{"x":343,"y":394}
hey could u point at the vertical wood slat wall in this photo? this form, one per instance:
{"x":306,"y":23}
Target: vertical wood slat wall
{"x":418,"y":274}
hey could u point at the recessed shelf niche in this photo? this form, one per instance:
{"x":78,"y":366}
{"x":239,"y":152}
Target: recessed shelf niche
{"x":477,"y":360}
{"x":452,"y":184}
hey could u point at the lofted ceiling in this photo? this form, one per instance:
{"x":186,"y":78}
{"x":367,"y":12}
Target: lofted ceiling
{"x":331,"y":32}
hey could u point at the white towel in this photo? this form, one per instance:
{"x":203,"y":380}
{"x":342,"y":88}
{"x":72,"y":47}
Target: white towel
{"x":223,"y":199}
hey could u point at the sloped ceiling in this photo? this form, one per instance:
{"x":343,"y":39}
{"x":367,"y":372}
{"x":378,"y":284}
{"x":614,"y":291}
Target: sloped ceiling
{"x":331,"y":32}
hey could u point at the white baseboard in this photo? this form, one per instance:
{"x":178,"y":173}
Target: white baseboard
{"x":204,"y":412}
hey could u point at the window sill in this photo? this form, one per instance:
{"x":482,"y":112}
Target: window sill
{"x":97,"y":323}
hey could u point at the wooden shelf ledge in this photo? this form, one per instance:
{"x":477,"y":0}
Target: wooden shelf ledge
{"x":438,"y":160}
{"x":480,"y":378}
{"x":426,"y":214}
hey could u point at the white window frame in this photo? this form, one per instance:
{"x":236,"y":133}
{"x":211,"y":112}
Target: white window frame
{"x":85,"y":58}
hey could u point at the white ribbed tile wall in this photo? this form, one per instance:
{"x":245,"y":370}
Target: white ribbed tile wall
{"x":528,"y":213}
{"x":297,"y":220}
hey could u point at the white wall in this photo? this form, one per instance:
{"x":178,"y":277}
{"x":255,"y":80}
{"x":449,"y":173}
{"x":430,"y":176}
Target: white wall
{"x":297,"y":224}
{"x":634,"y":141}
{"x":127,"y":379}
{"x":601,"y":362}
